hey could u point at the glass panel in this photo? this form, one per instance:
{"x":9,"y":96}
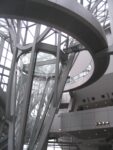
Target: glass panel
{"x":42,"y":87}
{"x":4,"y":52}
{"x":9,"y":55}
{"x":5,"y":88}
{"x":2,"y":61}
{"x":2,"y":85}
{"x":6,"y":72}
{"x":1,"y":69}
{"x":6,"y":44}
{"x":5,"y":79}
{"x":8,"y":63}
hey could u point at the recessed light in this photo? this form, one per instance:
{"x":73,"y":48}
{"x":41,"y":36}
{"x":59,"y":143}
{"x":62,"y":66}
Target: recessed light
{"x":99,"y":123}
{"x":107,"y":122}
{"x":103,"y":123}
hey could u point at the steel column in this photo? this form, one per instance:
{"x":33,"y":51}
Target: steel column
{"x":34,"y":135}
{"x":95,"y":5}
{"x":29,"y":85}
{"x":52,"y":110}
{"x":39,"y":122}
{"x":1,"y":47}
{"x":28,"y":91}
{"x":11,"y":93}
{"x":11,"y":134}
{"x":110,"y":6}
{"x":15,"y":52}
{"x":57,"y":70}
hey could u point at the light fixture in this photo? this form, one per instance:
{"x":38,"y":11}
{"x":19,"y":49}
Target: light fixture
{"x":107,"y":122}
{"x":103,"y":123}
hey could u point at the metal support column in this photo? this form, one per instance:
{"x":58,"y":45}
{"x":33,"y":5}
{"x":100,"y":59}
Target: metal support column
{"x":28,"y":91}
{"x":15,"y":39}
{"x":1,"y":47}
{"x":38,"y":122}
{"x":37,"y":39}
{"x":33,"y":137}
{"x":1,"y":127}
{"x":110,"y":7}
{"x":11,"y":134}
{"x":52,"y":110}
{"x":11,"y":93}
{"x":57,"y":71}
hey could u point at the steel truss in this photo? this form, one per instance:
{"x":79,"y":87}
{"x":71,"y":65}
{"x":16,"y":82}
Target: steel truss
{"x":20,"y":45}
{"x":54,"y":96}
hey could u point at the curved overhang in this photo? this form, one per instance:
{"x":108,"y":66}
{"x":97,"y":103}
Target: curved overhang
{"x":67,"y":16}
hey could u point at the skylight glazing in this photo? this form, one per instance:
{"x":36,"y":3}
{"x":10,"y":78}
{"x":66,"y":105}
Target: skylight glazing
{"x":99,"y":8}
{"x":20,"y":34}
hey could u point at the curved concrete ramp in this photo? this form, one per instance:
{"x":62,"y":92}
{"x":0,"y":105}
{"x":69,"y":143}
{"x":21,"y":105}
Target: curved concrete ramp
{"x":67,"y":16}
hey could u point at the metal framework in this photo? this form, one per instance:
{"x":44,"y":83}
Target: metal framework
{"x":34,"y":92}
{"x":99,"y":8}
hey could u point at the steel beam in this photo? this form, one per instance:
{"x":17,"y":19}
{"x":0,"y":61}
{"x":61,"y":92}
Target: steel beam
{"x":11,"y":134}
{"x":15,"y":39}
{"x":79,"y":21}
{"x":57,"y":70}
{"x":105,"y":52}
{"x":1,"y":127}
{"x":11,"y":92}
{"x":77,"y":17}
{"x":38,"y":122}
{"x":29,"y":85}
{"x":28,"y":92}
{"x":29,"y":46}
{"x":95,"y":5}
{"x":52,"y":110}
{"x":110,"y":6}
{"x":1,"y":47}
{"x":36,"y":127}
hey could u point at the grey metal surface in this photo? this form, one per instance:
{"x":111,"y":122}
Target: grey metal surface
{"x":29,"y":85}
{"x":52,"y":110}
{"x":83,"y":120}
{"x":2,"y":98}
{"x":72,"y":19}
{"x":110,"y":4}
{"x":105,"y":87}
